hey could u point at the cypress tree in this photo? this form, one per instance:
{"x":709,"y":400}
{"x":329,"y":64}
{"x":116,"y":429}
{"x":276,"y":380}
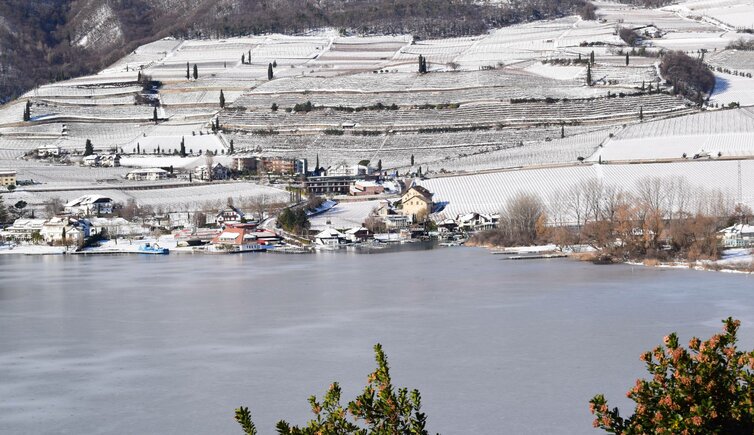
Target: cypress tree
{"x":249,"y":57}
{"x":591,"y":57}
{"x":412,"y":160}
{"x":316,"y":165}
{"x":589,"y":75}
{"x":562,"y":131}
{"x":183,"y":147}
{"x":379,"y":165}
{"x":196,"y":72}
{"x":626,"y":59}
{"x":3,"y":211}
{"x":88,"y":148}
{"x":154,"y":115}
{"x":188,"y":71}
{"x":243,"y":58}
{"x":138,"y":148}
{"x":27,"y":111}
{"x":641,"y":113}
{"x":222,"y":99}
{"x":138,"y":78}
{"x":232,"y":149}
{"x":270,"y":73}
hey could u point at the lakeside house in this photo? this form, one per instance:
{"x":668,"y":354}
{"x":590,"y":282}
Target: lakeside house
{"x":22,"y":229}
{"x":88,"y":205}
{"x":237,"y":238}
{"x":65,"y":230}
{"x":330,"y":237}
{"x":477,"y":222}
{"x":358,"y":235}
{"x":738,"y":236}
{"x":417,"y":203}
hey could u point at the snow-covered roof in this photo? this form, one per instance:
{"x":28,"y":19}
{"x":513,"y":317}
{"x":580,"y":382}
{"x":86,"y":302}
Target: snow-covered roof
{"x":329,"y":233}
{"x":356,"y":230}
{"x":86,"y":200}
{"x":228,"y":236}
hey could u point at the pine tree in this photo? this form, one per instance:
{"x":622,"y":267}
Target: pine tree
{"x":379,"y":165}
{"x":183,"y":147}
{"x":232,"y":149}
{"x":154,"y":115}
{"x":562,"y":131}
{"x":222,"y":99}
{"x":188,"y":71}
{"x":138,"y":77}
{"x":138,"y":148}
{"x":591,"y":57}
{"x":249,"y":57}
{"x":589,"y":75}
{"x":243,"y":58}
{"x":626,"y":59}
{"x":316,"y":165}
{"x":412,"y":160}
{"x":270,"y":73}
{"x":196,"y":72}
{"x":88,"y":148}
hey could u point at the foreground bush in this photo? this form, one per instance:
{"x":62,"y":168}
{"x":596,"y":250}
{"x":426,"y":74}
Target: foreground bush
{"x":705,"y":389}
{"x":379,"y":410}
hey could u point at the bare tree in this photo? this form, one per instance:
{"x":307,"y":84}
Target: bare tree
{"x":53,"y":206}
{"x":521,"y":218}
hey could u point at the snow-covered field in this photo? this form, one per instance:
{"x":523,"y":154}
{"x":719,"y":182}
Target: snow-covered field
{"x":489,"y":193}
{"x":344,"y":216}
{"x":491,"y":101}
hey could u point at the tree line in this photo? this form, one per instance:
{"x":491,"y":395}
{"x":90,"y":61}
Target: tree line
{"x":660,"y":218}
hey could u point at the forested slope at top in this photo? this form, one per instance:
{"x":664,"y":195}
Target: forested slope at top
{"x":49,"y":40}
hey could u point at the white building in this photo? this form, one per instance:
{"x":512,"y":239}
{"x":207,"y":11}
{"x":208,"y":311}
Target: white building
{"x":330,"y":237}
{"x":90,"y":205}
{"x":22,"y":229}
{"x":738,"y":236}
{"x":65,"y":230}
{"x":152,"y":174}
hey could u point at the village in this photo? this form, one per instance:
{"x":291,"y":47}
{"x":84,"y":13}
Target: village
{"x":95,"y":223}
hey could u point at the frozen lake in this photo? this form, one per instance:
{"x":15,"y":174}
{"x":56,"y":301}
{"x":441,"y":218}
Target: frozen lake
{"x":172,"y":345}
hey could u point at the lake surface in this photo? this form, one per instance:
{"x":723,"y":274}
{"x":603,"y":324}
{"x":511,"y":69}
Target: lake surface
{"x":171,"y":345}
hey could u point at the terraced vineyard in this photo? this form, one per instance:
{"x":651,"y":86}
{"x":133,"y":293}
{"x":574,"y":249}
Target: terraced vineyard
{"x":489,"y":102}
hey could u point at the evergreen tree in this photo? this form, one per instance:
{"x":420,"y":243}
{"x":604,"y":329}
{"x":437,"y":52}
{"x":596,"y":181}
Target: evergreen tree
{"x":591,"y":57}
{"x":274,"y":107}
{"x":188,"y":71}
{"x":27,"y":111}
{"x":248,"y":59}
{"x":274,"y":63}
{"x":222,"y":99}
{"x":412,"y":160}
{"x":379,"y":165}
{"x":243,"y":58}
{"x":270,"y":73}
{"x":643,"y":85}
{"x":4,"y":215}
{"x":138,"y":148}
{"x":641,"y":113}
{"x":562,"y":131}
{"x":231,"y":150}
{"x":626,"y":59}
{"x":154,"y":115}
{"x":138,"y":77}
{"x":183,"y":147}
{"x":88,"y":148}
{"x":589,"y":75}
{"x":316,"y":165}
{"x":196,"y":72}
